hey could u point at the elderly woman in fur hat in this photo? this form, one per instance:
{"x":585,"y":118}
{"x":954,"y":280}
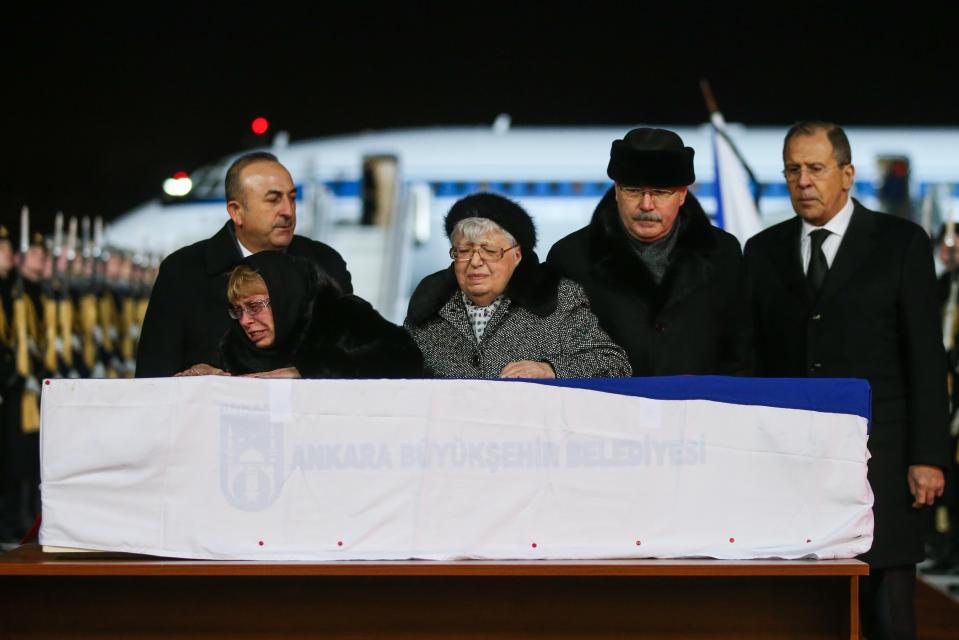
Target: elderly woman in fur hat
{"x":292,"y":321}
{"x":497,"y":312}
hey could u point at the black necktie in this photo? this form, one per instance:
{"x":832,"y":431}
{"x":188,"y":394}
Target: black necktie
{"x":817,"y":261}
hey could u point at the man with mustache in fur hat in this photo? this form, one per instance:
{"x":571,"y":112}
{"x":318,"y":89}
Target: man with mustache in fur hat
{"x":665,"y":283}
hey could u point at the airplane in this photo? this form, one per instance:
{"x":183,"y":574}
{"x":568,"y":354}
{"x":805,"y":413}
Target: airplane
{"x":379,"y":197}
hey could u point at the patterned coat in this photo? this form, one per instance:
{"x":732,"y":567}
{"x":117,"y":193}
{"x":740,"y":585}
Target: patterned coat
{"x":541,"y":318}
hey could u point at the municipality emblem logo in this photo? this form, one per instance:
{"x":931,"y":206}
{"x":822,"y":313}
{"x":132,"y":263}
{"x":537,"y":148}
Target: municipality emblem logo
{"x":251,"y":460}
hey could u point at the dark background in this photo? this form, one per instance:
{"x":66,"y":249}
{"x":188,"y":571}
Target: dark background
{"x":100,"y":105}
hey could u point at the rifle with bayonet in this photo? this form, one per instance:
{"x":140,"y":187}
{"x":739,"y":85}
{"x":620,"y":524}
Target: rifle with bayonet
{"x":25,"y":332}
{"x":107,"y":315}
{"x":63,"y":258}
{"x":91,"y":335}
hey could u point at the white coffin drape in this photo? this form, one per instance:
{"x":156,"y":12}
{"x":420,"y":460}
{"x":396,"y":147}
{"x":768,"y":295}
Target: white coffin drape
{"x":236,"y":468}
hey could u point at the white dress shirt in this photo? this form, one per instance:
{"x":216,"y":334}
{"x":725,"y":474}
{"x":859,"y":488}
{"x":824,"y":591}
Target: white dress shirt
{"x":837,"y":227}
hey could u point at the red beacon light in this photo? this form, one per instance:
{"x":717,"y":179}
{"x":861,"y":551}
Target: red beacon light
{"x":260,"y":125}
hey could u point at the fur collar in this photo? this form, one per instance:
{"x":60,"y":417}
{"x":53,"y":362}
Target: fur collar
{"x":607,"y":234}
{"x":612,"y":256}
{"x":534,"y":286}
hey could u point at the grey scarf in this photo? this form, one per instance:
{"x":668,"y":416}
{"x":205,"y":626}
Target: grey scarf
{"x":656,"y":255}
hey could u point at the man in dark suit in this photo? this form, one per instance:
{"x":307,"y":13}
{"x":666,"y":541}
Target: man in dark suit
{"x":187,"y":314}
{"x":942,"y":533}
{"x":842,"y":291}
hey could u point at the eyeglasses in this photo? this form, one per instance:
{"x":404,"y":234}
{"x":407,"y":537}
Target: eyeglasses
{"x":254,"y":308}
{"x":659,"y":196}
{"x":486,"y":253}
{"x":815,"y":171}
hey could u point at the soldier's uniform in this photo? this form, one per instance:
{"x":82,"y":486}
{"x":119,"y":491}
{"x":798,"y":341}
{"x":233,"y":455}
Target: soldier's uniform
{"x":20,"y":409}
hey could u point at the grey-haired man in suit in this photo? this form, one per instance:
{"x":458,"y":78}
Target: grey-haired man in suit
{"x":842,"y":291}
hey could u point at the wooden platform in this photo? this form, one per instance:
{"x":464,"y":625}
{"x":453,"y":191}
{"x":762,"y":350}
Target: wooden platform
{"x":937,"y":614}
{"x":109,"y":595}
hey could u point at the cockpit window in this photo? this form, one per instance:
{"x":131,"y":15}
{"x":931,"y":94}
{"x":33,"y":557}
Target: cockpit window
{"x":207,"y":184}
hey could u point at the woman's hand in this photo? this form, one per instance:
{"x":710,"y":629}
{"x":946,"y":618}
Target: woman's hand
{"x":286,"y":372}
{"x":202,"y":370}
{"x":527,"y":369}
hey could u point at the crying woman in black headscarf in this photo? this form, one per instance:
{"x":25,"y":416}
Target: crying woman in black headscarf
{"x":292,"y":321}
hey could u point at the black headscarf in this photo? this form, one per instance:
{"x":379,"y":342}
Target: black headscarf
{"x":292,"y":286}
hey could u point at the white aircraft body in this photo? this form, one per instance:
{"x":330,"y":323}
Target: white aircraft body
{"x":379,"y":198}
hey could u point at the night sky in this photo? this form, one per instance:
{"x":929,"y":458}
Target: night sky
{"x":100,"y":106}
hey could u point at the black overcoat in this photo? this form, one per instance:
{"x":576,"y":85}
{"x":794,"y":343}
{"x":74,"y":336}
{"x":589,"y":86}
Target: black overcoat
{"x":692,"y":322}
{"x":877,"y":318}
{"x":186,"y":316}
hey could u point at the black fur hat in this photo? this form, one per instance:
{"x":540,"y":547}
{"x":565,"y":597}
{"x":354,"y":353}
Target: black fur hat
{"x":651,"y":158}
{"x":500,"y":210}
